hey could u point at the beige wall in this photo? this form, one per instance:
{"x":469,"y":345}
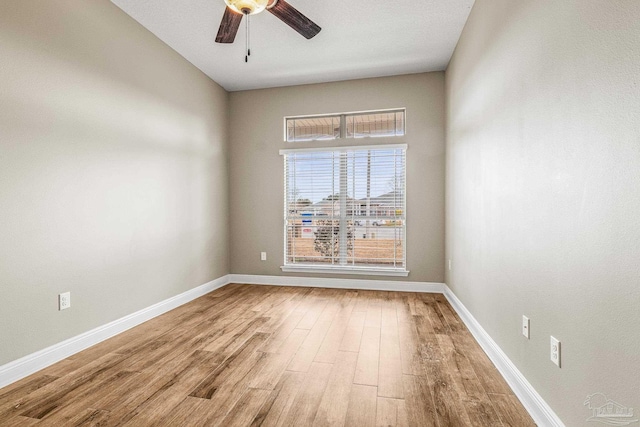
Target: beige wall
{"x":543,"y":190}
{"x":113,"y":176}
{"x":256,"y":168}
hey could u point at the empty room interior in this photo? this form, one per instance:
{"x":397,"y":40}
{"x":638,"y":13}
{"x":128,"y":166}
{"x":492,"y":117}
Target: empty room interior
{"x":297,"y":213}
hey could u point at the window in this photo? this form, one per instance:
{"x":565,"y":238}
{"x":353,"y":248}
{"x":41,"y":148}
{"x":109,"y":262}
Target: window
{"x":375,"y":124}
{"x":348,"y":125}
{"x":313,"y":128}
{"x":345,"y":209}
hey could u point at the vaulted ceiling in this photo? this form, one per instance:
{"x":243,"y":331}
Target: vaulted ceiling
{"x":359,"y":38}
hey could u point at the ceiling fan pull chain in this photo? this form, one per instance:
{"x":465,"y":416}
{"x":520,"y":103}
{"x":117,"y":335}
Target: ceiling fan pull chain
{"x":248,"y":41}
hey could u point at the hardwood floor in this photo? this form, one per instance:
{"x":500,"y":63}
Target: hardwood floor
{"x":265,"y":356}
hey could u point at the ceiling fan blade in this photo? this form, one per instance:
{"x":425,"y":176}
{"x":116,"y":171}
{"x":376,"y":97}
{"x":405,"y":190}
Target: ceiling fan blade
{"x":293,"y":18}
{"x":229,"y":26}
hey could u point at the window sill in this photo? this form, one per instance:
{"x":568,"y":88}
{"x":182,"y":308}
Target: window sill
{"x":344,"y":270}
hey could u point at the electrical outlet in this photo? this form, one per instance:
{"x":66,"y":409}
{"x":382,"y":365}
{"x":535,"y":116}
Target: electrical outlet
{"x":263,"y":256}
{"x":64,"y":301}
{"x":449,"y":265}
{"x":525,"y":326}
{"x":555,"y":351}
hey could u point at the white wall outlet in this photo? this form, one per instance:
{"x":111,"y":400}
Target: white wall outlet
{"x":263,"y":256}
{"x":64,"y":301}
{"x":449,"y":264}
{"x":555,"y":351}
{"x":525,"y":326}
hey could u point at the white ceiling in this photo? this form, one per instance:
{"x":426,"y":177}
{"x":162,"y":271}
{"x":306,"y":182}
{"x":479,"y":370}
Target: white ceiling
{"x":359,"y":38}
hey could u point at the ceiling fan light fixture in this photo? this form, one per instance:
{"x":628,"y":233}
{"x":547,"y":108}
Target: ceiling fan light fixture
{"x":247,"y":7}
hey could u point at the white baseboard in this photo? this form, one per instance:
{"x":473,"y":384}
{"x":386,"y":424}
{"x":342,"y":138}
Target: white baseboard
{"x":321,"y":282}
{"x":539,"y":410}
{"x":25,"y":366}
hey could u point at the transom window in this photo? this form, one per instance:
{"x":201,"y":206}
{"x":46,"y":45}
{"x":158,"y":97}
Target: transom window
{"x":348,"y":125}
{"x":345,"y":208}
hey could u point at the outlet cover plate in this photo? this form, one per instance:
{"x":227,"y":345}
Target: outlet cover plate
{"x":526,"y":324}
{"x":555,"y":351}
{"x":64,"y":301}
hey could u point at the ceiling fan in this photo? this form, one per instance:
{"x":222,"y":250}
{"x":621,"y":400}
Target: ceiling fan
{"x":282,"y":10}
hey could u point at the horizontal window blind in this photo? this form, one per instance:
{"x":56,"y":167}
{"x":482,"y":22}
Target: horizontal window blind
{"x":346,"y":207}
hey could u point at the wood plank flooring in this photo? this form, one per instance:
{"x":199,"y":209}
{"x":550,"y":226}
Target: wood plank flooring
{"x":277,"y":356}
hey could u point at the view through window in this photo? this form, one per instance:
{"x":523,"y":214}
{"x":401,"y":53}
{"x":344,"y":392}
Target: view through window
{"x":345,"y":207}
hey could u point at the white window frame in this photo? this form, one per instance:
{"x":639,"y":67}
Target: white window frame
{"x":347,"y":269}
